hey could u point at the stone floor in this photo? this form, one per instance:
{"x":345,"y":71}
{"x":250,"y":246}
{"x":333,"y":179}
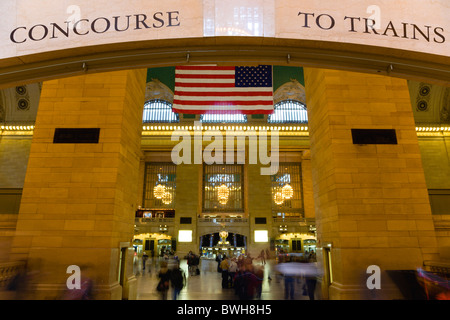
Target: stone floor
{"x":207,"y":285}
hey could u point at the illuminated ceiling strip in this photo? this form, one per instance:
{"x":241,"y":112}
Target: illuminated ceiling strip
{"x":223,"y":128}
{"x":17,"y":128}
{"x":288,"y":128}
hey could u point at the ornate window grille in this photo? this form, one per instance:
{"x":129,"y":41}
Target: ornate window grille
{"x":287,"y":192}
{"x":223,"y":188}
{"x":159,"y":111}
{"x":159,"y":186}
{"x":289,"y":111}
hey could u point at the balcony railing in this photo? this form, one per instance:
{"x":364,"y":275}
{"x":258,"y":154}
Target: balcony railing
{"x":289,"y":219}
{"x":222,"y":220}
{"x":297,"y":220}
{"x":155,"y":220}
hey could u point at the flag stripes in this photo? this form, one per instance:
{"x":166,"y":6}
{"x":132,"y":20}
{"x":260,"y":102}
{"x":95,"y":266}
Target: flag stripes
{"x":213,"y":89}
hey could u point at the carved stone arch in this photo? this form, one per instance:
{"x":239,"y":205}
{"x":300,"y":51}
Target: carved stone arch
{"x":292,"y":90}
{"x":155,"y":89}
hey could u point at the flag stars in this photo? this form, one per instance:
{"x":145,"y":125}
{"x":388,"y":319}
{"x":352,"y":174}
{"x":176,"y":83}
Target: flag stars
{"x":253,"y":76}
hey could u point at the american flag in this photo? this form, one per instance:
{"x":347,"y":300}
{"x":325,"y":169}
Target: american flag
{"x":214,"y":89}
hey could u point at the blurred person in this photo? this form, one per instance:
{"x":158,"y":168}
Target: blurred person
{"x":218,"y":260}
{"x":190,"y":263}
{"x":262,"y":257}
{"x":311,"y":281}
{"x":178,"y":280}
{"x":289,"y":286}
{"x":290,"y":271}
{"x":164,"y":278}
{"x":224,"y":265}
{"x":248,"y":260}
{"x":144,"y":260}
{"x":232,"y":269}
{"x":245,"y":284}
{"x":312,"y":256}
{"x":259,"y":274}
{"x":240,"y":262}
{"x":435,"y":287}
{"x":196,"y":264}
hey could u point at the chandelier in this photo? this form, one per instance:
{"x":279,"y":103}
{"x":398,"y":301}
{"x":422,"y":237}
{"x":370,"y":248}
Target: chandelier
{"x":159,"y":191}
{"x":287,"y":191}
{"x":222,"y":194}
{"x":167,"y":198}
{"x":278,"y":198}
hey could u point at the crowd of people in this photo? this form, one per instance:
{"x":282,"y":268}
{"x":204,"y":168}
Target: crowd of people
{"x":242,"y":274}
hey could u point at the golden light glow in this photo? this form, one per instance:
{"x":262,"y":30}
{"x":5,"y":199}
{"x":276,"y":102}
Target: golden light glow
{"x":167,"y":198}
{"x":223,"y":193}
{"x":159,"y":191}
{"x":278,"y":198}
{"x":223,"y":235}
{"x":287,"y":191}
{"x":157,"y":236}
{"x":288,"y":236}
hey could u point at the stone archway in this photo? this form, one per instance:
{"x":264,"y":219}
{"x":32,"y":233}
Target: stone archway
{"x":229,"y":51}
{"x":331,"y":96}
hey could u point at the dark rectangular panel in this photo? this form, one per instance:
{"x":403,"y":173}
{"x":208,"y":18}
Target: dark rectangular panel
{"x":152,"y":245}
{"x":374,"y":136}
{"x":76,"y":135}
{"x":174,"y":244}
{"x":185,"y":220}
{"x":260,"y":221}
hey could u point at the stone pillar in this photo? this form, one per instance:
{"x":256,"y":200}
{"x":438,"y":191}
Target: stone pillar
{"x":78,"y":201}
{"x":308,"y":195}
{"x":188,"y":205}
{"x":371,"y":201}
{"x":259,"y":205}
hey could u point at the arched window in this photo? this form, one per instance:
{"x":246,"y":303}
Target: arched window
{"x":159,"y":111}
{"x":289,"y":111}
{"x":223,"y":118}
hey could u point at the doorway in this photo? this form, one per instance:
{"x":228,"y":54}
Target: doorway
{"x":220,"y":243}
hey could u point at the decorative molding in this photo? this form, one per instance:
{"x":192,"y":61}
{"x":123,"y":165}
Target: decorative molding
{"x":291,"y":90}
{"x":155,"y":89}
